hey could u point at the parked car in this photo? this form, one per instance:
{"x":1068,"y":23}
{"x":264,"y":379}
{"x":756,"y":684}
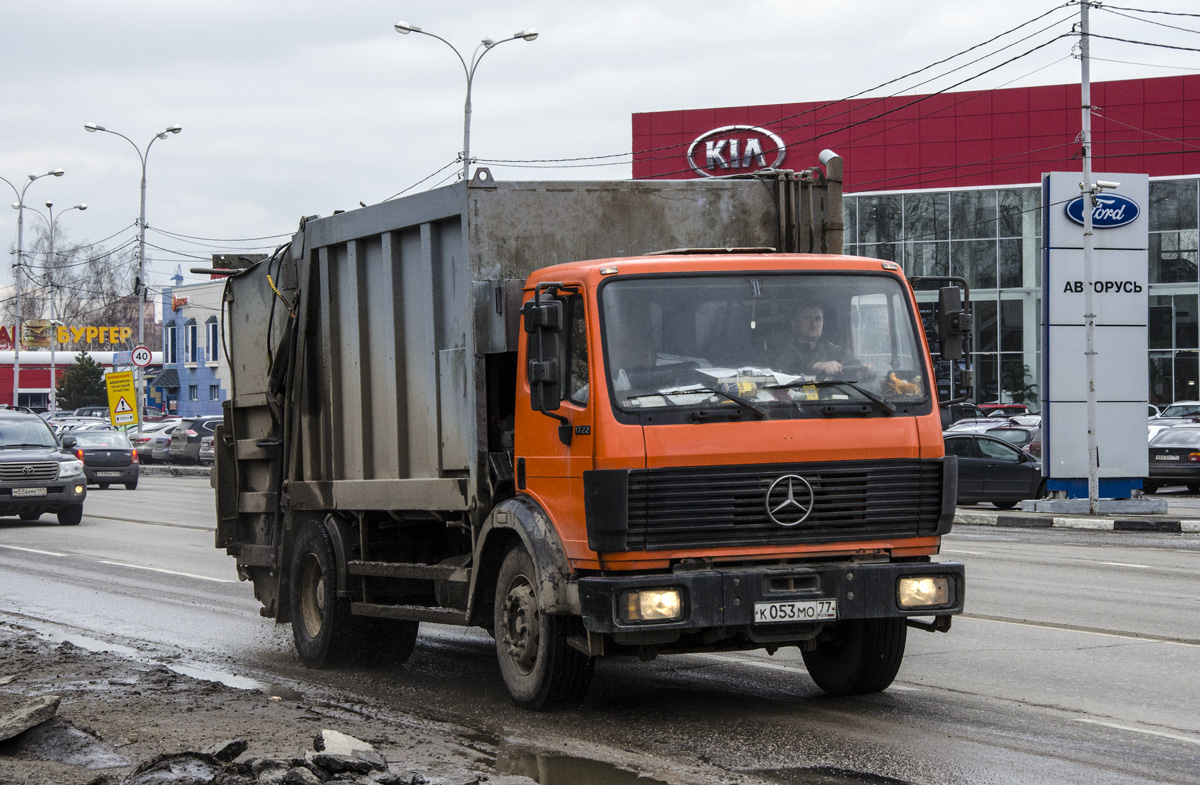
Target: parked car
{"x":1178,"y":413}
{"x":185,"y":439}
{"x":153,"y":435}
{"x":954,"y":412}
{"x":997,"y":409}
{"x":1017,"y":436}
{"x":1174,"y":459}
{"x":207,"y":453}
{"x":992,"y":470}
{"x":108,"y":458}
{"x":62,"y":425}
{"x":37,"y":473}
{"x":92,"y":411}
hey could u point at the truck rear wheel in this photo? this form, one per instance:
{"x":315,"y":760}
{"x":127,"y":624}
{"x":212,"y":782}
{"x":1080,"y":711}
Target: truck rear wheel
{"x":540,"y":670}
{"x":861,"y":656}
{"x":321,"y":624}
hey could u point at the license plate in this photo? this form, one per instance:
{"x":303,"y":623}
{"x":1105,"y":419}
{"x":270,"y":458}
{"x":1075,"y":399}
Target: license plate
{"x":108,"y":474}
{"x":808,"y":610}
{"x":28,"y":491}
{"x":1166,"y":457}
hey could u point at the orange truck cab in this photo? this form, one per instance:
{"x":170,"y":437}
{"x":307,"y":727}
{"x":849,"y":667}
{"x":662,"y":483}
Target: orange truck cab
{"x":715,"y":482}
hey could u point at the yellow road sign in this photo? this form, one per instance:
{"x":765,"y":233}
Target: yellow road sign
{"x":122,"y":398}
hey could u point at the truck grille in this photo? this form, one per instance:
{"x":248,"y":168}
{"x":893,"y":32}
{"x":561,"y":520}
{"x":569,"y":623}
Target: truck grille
{"x":701,"y":507}
{"x":29,"y":472}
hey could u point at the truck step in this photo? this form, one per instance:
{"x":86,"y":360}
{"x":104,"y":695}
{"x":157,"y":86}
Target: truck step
{"x":410,"y":613}
{"x":424,"y":572}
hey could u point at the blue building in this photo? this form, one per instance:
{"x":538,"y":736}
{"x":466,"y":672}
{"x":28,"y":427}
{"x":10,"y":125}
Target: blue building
{"x":194,"y":378}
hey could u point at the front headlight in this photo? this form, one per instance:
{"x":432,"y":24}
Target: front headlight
{"x":923,"y":592}
{"x":653,"y":605}
{"x":70,"y":469}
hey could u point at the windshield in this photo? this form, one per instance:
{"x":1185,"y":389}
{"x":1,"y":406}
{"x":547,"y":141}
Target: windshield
{"x":778,"y":342}
{"x":1181,"y":410}
{"x":26,"y":433}
{"x":110,"y":439}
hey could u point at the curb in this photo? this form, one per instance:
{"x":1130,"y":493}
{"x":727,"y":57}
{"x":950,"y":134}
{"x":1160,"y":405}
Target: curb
{"x":167,"y":470}
{"x":1163,"y":525}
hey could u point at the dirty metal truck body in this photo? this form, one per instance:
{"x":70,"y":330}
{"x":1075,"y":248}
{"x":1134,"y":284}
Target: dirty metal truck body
{"x":370,"y":473}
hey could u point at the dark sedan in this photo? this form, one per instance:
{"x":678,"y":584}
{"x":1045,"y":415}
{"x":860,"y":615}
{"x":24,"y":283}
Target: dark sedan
{"x":1175,"y":459}
{"x":993,"y":470}
{"x":108,"y":458}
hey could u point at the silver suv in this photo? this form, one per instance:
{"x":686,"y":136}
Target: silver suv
{"x":37,"y":474}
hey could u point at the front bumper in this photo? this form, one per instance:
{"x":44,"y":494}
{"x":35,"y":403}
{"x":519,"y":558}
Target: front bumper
{"x":726,"y":597}
{"x":60,"y":494}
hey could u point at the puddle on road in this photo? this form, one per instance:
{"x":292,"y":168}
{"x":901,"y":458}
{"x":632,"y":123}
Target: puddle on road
{"x":552,"y":769}
{"x":192,"y":669}
{"x":205,"y":673}
{"x":547,"y":768}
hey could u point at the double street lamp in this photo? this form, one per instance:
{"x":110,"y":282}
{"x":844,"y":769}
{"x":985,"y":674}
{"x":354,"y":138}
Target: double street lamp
{"x":141,"y":278}
{"x":485,"y":46}
{"x":19,"y":206}
{"x":53,"y":315}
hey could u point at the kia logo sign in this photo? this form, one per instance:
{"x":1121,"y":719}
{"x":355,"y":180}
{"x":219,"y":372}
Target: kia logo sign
{"x":734,"y":149}
{"x":1111,"y":211}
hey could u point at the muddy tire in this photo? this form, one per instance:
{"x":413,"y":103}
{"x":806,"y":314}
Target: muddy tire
{"x":540,"y":670}
{"x":861,"y":656}
{"x":321,"y":622}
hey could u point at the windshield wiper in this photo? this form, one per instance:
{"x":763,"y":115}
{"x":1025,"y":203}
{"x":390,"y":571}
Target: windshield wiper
{"x":887,"y":406}
{"x":739,"y":400}
{"x":17,"y":446}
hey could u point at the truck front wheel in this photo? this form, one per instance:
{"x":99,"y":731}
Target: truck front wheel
{"x":858,"y":656}
{"x":540,"y":669}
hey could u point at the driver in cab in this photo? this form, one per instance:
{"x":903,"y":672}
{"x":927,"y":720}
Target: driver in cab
{"x":812,"y":354}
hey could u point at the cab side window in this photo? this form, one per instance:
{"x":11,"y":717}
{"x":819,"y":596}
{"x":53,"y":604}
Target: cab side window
{"x":576,"y":382}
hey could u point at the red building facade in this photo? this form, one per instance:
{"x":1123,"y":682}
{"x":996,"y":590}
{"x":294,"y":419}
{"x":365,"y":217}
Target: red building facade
{"x":946,"y":140}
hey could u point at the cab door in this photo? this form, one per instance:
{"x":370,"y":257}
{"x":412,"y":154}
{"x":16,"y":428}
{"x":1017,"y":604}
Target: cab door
{"x":555,"y":448}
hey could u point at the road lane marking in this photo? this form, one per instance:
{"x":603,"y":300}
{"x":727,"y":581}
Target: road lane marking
{"x":775,"y":666}
{"x":167,"y":572}
{"x":1082,"y":630}
{"x":32,"y":550}
{"x":1175,"y":736}
{"x":1124,"y":564}
{"x":972,"y":553}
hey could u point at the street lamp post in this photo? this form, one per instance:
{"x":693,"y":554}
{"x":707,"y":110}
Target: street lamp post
{"x":143,"y":155}
{"x":19,"y":206}
{"x":54,"y":316}
{"x":485,"y":46}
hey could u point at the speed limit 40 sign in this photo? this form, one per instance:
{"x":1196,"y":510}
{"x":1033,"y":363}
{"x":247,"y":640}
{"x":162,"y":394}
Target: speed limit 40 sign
{"x":141,"y":356}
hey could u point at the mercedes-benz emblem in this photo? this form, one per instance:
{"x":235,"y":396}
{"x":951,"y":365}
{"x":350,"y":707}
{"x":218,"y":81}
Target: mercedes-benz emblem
{"x":789,"y":500}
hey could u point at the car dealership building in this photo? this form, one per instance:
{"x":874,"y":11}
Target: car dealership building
{"x":950,"y":184}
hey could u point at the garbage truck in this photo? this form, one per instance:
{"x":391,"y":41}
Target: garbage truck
{"x":595,"y":419}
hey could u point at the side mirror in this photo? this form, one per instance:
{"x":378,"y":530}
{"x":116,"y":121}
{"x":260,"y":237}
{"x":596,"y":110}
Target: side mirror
{"x":543,"y":317}
{"x":954,"y":324}
{"x":69,"y":441}
{"x":544,"y":325}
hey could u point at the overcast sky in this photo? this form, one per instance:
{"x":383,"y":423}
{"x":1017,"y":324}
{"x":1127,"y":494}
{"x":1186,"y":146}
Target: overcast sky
{"x":298,"y":107}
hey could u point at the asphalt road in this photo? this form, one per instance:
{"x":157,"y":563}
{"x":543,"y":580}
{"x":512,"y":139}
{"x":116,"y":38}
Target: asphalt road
{"x":1077,"y":662}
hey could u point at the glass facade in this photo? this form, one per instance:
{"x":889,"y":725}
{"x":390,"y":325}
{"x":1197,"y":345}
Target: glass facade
{"x":992,"y":238}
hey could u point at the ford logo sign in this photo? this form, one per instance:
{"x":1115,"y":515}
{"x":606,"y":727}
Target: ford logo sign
{"x":735,"y":149}
{"x":1111,"y":211}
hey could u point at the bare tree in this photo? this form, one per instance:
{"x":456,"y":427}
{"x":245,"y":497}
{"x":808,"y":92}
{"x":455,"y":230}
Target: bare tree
{"x":91,"y":286}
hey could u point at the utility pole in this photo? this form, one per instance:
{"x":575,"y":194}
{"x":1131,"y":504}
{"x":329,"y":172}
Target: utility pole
{"x":1089,"y":190}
